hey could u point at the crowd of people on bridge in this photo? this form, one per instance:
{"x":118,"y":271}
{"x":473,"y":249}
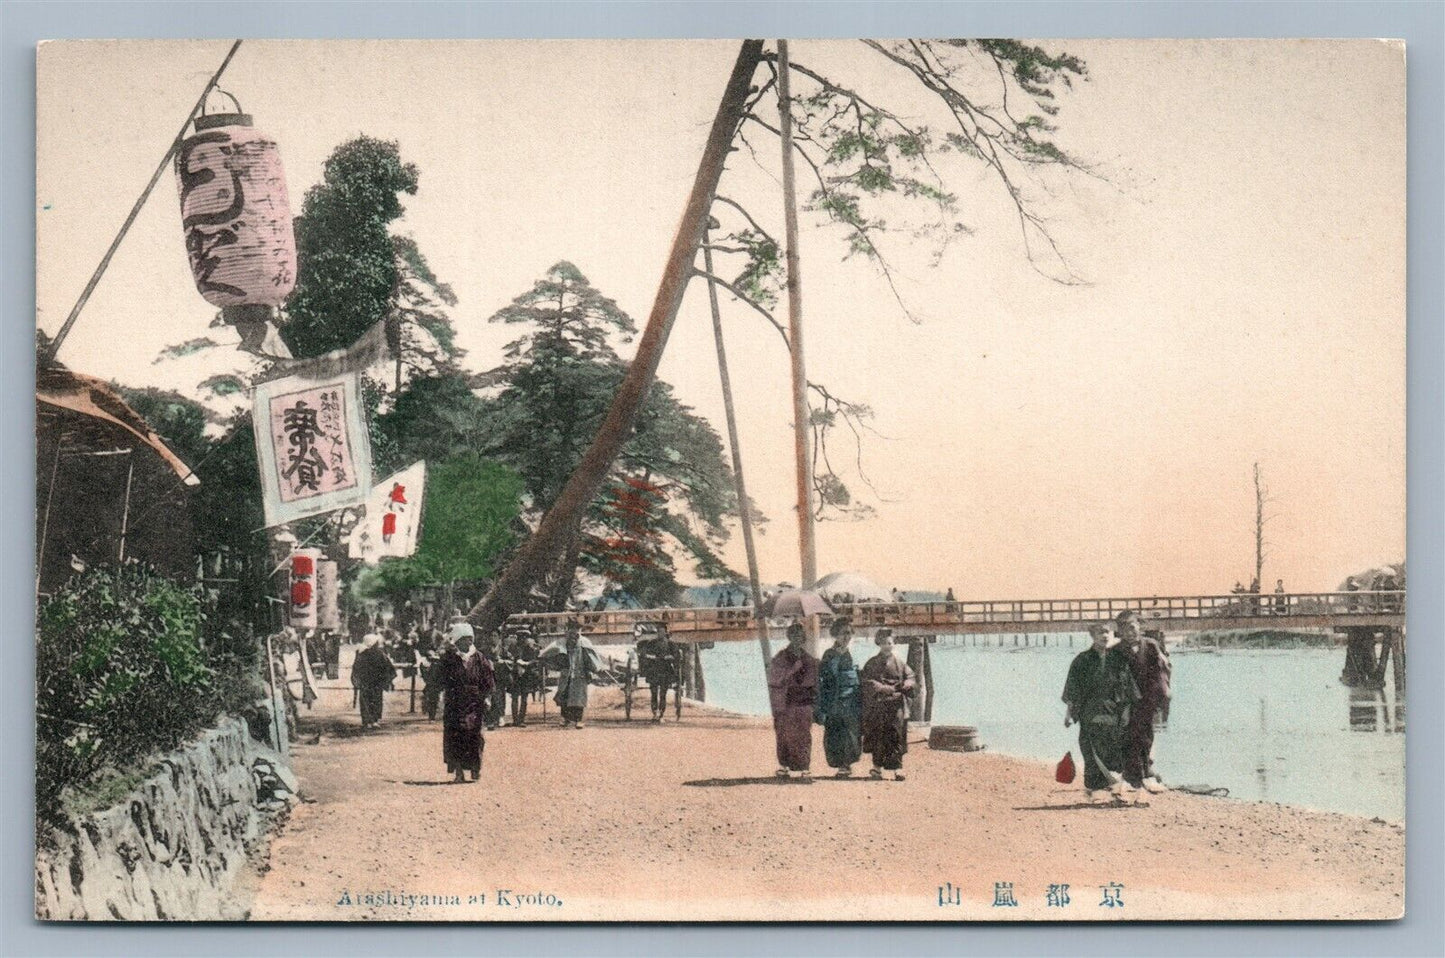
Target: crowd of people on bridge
{"x":1116,"y":691}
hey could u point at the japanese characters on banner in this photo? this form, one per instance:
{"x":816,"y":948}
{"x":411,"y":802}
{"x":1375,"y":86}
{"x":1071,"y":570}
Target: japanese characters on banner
{"x":328,"y":605}
{"x":392,"y":523}
{"x":312,"y":444}
{"x":301,"y":608}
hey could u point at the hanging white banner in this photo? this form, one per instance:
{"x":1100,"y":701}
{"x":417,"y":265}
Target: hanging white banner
{"x":312,"y":444}
{"x":392,"y":524}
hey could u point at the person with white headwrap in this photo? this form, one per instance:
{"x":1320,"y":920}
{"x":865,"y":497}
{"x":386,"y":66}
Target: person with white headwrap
{"x":371,"y":675}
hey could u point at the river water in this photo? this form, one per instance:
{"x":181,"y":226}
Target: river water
{"x":1269,"y":725}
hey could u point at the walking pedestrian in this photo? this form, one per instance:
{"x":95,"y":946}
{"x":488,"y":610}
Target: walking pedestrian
{"x":839,"y":709}
{"x":372,"y":674}
{"x":581,"y":665}
{"x":1151,"y":667}
{"x":886,"y":682}
{"x":497,"y":701}
{"x":526,"y":677}
{"x":466,"y":680}
{"x":792,"y":693}
{"x":1100,"y":692}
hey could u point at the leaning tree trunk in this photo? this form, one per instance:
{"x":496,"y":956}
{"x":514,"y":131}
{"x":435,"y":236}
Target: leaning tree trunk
{"x":538,"y":553}
{"x":565,"y":572}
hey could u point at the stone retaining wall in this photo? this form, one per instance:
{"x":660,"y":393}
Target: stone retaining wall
{"x":173,"y":849}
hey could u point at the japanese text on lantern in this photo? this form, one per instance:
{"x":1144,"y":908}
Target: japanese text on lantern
{"x":313,"y":451}
{"x":235,"y":214}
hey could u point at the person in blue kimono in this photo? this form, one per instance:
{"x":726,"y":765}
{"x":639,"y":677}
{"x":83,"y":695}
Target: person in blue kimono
{"x":839,"y":709}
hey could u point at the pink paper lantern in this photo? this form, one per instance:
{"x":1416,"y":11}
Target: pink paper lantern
{"x":235,"y":213}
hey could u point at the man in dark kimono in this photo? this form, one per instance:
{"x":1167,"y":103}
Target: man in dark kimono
{"x":839,"y":709}
{"x":793,"y":692}
{"x":886,"y":683}
{"x":582,"y":664}
{"x":1151,"y":667}
{"x":1100,"y":693}
{"x":371,"y":675}
{"x":497,"y":701}
{"x":526,"y":677}
{"x":658,"y":662}
{"x":466,"y":680}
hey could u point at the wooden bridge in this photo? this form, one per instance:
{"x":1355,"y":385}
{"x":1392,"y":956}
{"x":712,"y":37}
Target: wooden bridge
{"x":1193,"y":613}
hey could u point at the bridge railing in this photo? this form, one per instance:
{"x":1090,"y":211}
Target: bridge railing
{"x":943,"y":614}
{"x":1021,"y":611}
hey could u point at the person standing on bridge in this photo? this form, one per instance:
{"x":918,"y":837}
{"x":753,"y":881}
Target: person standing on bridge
{"x":1100,"y":692}
{"x":792,"y":693}
{"x":1151,"y":667}
{"x":839,"y":709}
{"x":886,"y":683}
{"x":466,"y":680}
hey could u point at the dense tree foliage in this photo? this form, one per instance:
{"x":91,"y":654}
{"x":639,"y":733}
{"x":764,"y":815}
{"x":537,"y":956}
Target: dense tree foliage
{"x":469,"y":521}
{"x":670,"y":490}
{"x":352,"y":272}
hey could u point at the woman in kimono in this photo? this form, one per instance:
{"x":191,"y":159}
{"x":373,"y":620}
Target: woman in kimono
{"x":1100,"y":692}
{"x":1152,"y":675}
{"x":466,"y":680}
{"x":792,"y":692}
{"x":839,"y":710}
{"x":886,"y":684}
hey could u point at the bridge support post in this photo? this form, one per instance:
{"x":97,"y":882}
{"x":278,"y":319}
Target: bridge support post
{"x":689,"y":658}
{"x":916,"y":709}
{"x":1397,"y":645}
{"x":698,"y":679}
{"x":1378,"y":678}
{"x":928,"y":679}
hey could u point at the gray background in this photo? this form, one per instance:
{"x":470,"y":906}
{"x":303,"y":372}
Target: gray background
{"x":1421,"y":24}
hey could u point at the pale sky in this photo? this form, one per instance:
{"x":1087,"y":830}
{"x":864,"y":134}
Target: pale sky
{"x":1245,"y":296}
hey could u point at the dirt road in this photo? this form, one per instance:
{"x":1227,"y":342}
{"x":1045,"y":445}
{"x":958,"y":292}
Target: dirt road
{"x":635,"y":821}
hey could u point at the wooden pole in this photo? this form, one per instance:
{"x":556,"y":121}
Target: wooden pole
{"x":928,"y":679}
{"x":1379,"y":677}
{"x":271,"y":685}
{"x":45,"y":523}
{"x":802,"y":451}
{"x":745,"y":509}
{"x":135,"y":211}
{"x":916,"y":709}
{"x":125,"y":510}
{"x":1397,"y":642}
{"x":1258,"y":537}
{"x":538,"y":553}
{"x":698,"y":678}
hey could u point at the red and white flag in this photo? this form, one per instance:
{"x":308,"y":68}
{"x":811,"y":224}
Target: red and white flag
{"x":392,"y":523}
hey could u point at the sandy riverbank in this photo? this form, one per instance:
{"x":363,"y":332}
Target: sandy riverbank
{"x":635,"y":821}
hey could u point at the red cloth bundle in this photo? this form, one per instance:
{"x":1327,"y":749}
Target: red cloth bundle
{"x":1064,"y":774}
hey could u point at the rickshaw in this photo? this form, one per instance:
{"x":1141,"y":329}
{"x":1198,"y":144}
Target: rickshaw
{"x":656,"y":661}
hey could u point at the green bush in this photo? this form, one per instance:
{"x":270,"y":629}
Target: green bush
{"x":123,"y":670}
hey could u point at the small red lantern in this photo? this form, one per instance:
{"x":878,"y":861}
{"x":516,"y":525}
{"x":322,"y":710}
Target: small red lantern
{"x":235,"y":213}
{"x":301,"y":606}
